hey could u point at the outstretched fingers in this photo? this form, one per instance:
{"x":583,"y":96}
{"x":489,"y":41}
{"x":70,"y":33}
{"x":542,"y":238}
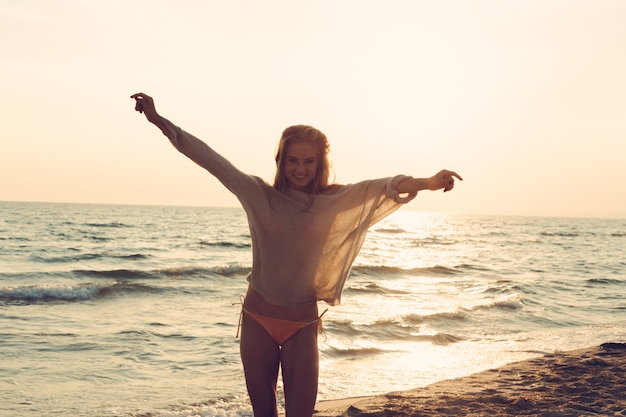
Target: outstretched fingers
{"x":450,"y":175}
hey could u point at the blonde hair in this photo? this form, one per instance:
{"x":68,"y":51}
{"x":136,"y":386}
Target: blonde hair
{"x":304,"y":134}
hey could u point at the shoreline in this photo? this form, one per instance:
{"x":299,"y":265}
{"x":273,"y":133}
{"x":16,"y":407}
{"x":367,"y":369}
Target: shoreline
{"x":583,"y":382}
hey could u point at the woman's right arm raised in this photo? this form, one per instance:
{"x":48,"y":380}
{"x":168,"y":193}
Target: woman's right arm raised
{"x":190,"y":146}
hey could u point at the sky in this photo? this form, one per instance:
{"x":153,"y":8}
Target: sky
{"x":525,"y":99}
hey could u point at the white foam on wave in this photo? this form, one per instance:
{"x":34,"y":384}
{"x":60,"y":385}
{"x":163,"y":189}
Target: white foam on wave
{"x":509,"y":301}
{"x":52,"y":292}
{"x":233,"y":408}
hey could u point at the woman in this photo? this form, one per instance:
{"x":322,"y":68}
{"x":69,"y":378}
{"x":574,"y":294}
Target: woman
{"x":305,"y":235}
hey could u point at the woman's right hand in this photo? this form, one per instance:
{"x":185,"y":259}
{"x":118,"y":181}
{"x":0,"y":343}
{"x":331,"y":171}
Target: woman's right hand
{"x":145,"y":104}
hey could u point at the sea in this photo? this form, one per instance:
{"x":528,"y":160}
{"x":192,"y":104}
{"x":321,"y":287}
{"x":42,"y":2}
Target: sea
{"x":118,"y":310}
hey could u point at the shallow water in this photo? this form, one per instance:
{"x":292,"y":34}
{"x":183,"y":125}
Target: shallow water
{"x":131,"y":310}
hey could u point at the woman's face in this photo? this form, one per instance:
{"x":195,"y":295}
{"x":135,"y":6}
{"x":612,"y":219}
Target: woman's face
{"x":301,"y":160}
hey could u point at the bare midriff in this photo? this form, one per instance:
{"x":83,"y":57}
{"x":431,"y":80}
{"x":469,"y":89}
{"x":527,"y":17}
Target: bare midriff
{"x":256,"y":304}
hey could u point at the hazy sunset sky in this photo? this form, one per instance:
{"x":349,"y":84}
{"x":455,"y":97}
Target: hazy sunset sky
{"x":525,"y":99}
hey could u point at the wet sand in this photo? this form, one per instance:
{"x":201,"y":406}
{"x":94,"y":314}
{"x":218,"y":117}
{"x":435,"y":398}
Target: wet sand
{"x":585,"y":382}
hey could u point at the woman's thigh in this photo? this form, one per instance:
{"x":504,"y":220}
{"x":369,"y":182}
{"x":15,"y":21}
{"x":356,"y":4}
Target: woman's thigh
{"x":300,"y":369}
{"x":260,"y":356}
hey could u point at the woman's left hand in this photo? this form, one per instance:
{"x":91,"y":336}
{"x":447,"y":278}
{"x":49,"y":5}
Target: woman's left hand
{"x":444,"y":179}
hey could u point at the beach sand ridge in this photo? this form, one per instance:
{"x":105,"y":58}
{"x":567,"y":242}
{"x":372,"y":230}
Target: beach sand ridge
{"x":585,"y":382}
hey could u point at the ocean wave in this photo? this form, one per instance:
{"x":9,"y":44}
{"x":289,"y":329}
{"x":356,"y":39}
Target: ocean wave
{"x":16,"y":238}
{"x":409,"y":321}
{"x":111,"y":224}
{"x":237,"y":406}
{"x":193,"y":271}
{"x":373,"y":270}
{"x":509,"y":302}
{"x":374,"y":288}
{"x":472,"y":267}
{"x":34,"y":294}
{"x":434,"y":241}
{"x":587,"y":232}
{"x":405,"y":327}
{"x":145,"y":334}
{"x":136,"y":274}
{"x":443,"y":318}
{"x":335,"y":352}
{"x":381,"y":330}
{"x":87,"y":257}
{"x":390,"y":230}
{"x":172,"y":272}
{"x":121,"y":274}
{"x":437,"y":270}
{"x":439,"y":339}
{"x":606,"y":281}
{"x":560,"y":234}
{"x":225,"y":244}
{"x":382,"y":270}
{"x":502,"y":286}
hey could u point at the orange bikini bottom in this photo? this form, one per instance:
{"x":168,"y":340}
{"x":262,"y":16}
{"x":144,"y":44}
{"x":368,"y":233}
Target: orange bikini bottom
{"x":281,"y":330}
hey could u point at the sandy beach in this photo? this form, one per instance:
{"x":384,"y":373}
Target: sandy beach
{"x":586,"y":382}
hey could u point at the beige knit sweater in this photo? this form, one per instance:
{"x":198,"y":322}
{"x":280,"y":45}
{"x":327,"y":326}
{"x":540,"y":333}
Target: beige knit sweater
{"x":303,"y":245}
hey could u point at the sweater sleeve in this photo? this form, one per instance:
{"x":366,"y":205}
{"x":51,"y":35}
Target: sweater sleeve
{"x":233,"y":179}
{"x":353,"y":212}
{"x":389,"y":199}
{"x":392,"y":190}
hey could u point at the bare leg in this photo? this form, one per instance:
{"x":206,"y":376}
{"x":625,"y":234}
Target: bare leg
{"x":300,"y":368}
{"x":260,"y":356}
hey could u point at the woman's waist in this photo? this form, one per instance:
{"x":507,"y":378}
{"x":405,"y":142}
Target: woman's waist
{"x":255,"y":303}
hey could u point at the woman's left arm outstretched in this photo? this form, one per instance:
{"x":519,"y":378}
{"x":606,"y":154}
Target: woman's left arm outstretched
{"x":444,"y":179}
